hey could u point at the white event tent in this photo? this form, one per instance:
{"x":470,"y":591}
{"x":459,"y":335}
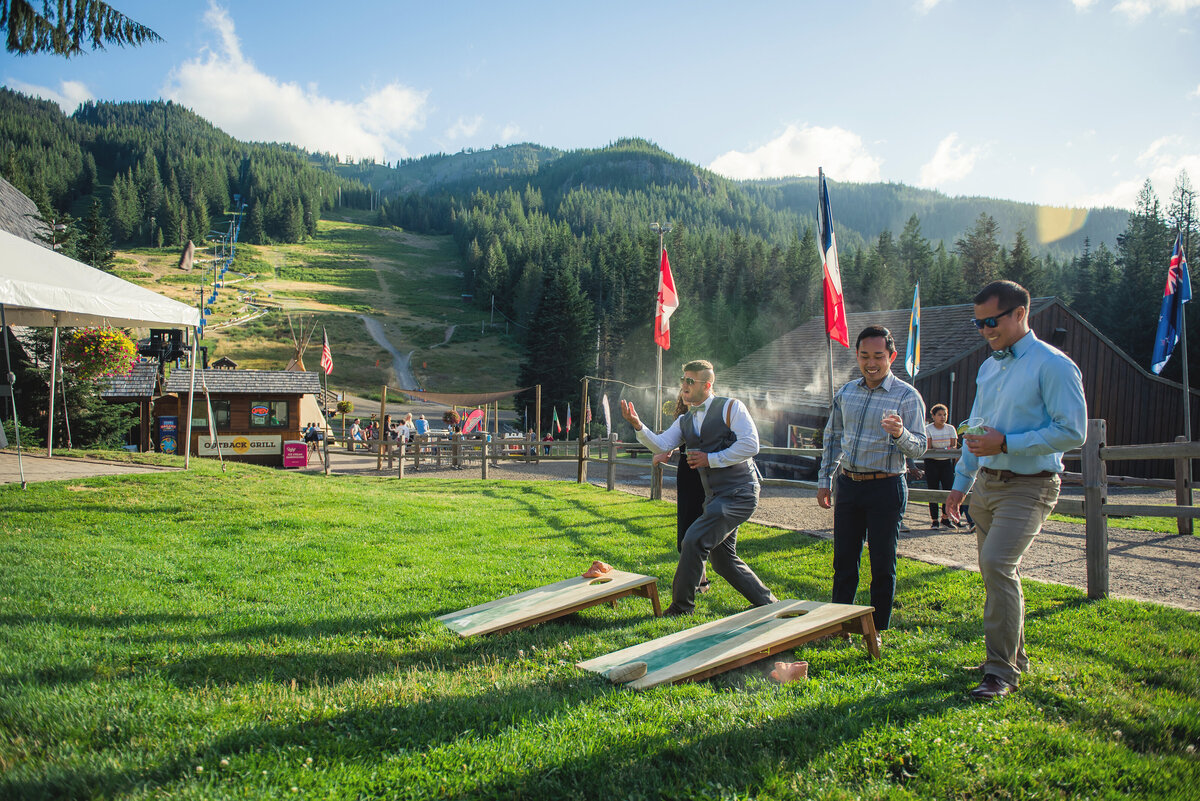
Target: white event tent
{"x":39,"y":287}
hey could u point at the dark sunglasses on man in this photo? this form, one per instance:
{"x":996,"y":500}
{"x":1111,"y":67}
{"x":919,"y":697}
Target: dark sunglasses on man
{"x":689,"y":381}
{"x":992,"y":322}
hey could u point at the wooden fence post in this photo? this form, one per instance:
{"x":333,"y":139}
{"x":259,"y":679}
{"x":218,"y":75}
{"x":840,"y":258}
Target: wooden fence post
{"x":483,"y":454}
{"x":325,"y":448}
{"x":400,"y":470}
{"x":1095,"y":496}
{"x":612,"y":463}
{"x":656,"y":479}
{"x":1183,"y":489}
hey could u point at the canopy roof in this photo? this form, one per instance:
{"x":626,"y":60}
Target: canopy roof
{"x":43,"y":288}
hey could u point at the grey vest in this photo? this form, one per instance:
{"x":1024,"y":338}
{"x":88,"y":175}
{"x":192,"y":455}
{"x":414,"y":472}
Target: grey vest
{"x":715,"y":435}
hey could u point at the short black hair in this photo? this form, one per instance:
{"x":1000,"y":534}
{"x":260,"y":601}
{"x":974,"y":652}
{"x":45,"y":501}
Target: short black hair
{"x":1008,"y":294}
{"x":876,"y":331}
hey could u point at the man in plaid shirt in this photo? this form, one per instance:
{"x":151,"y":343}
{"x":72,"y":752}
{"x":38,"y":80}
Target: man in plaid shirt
{"x":877,"y":421}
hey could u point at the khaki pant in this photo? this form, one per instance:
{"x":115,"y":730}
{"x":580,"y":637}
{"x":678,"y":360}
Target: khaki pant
{"x":1008,"y":513}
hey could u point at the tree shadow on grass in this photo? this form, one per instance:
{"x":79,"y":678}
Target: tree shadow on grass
{"x":389,"y":744}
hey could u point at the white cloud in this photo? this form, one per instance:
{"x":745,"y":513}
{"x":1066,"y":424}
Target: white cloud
{"x":464,"y":128}
{"x":68,"y":97}
{"x":1083,"y":5}
{"x":229,"y":90}
{"x":510,"y":132}
{"x":925,"y":6}
{"x":1161,"y":162}
{"x":800,"y":151}
{"x":1197,"y":92}
{"x":950,"y":163}
{"x":1135,"y":10}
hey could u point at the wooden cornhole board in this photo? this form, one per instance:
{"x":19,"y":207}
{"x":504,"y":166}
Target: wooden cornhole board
{"x":706,"y":650}
{"x":553,"y":600}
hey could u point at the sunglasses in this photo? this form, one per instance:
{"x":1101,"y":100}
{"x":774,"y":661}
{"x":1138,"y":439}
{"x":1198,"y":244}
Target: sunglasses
{"x":687,"y":380}
{"x":992,"y":322}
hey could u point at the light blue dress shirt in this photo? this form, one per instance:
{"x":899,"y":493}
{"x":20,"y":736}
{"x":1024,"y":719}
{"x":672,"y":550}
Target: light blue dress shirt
{"x":1035,"y":397}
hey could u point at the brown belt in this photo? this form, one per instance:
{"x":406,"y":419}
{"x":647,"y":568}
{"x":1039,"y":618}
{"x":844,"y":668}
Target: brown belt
{"x":867,"y":476}
{"x":1007,"y":474}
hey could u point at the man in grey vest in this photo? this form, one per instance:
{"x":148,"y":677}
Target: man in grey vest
{"x":721,"y":441}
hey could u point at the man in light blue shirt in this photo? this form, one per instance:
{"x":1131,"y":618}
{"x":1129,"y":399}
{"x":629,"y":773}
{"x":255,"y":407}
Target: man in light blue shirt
{"x":1030,"y":397}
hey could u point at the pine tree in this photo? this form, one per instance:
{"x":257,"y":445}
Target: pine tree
{"x":980,"y":253}
{"x":95,"y":245}
{"x":1025,"y":268}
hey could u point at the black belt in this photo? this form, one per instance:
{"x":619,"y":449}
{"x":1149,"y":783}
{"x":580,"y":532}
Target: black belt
{"x":867,"y":476}
{"x":1007,"y":474}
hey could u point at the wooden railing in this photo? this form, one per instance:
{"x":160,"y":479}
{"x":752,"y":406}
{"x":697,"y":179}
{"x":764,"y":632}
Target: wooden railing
{"x":470,"y":450}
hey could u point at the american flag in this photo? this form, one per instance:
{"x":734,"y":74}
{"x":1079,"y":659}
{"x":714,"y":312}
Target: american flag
{"x":326,"y":353}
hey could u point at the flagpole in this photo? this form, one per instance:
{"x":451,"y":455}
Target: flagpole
{"x":656,"y":470}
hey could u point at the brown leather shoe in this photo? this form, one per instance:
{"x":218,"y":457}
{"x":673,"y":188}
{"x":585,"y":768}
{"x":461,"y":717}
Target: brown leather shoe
{"x":991,"y":688}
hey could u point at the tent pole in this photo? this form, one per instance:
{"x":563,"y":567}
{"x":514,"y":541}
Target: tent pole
{"x":53,"y":377}
{"x":187,"y":441}
{"x":12,"y":395}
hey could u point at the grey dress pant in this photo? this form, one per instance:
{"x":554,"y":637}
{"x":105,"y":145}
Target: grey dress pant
{"x":713,"y":537}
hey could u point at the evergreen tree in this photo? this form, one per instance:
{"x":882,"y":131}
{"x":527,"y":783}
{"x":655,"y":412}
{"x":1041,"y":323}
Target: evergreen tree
{"x":1143,"y":253}
{"x":65,"y":29}
{"x":95,"y":245}
{"x":980,"y":253}
{"x":559,"y":355}
{"x":1025,"y":268}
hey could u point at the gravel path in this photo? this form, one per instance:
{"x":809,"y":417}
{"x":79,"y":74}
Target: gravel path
{"x":1143,"y":565}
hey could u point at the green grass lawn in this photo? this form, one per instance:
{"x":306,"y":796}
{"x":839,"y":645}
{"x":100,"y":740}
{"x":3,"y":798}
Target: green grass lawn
{"x":261,"y":634}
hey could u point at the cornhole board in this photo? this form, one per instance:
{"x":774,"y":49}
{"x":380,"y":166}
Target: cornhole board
{"x":698,"y":653}
{"x":553,"y":600}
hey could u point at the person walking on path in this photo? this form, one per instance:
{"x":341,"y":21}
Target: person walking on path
{"x":722,"y":441}
{"x":939,"y":471}
{"x":1030,"y":397}
{"x":877,"y":422}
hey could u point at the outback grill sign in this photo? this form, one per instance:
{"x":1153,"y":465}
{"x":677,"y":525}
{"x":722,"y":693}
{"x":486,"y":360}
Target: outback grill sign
{"x":243,"y":445}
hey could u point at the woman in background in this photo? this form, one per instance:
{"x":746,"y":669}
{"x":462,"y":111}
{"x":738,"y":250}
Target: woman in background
{"x":689,"y":492}
{"x":939,"y":472}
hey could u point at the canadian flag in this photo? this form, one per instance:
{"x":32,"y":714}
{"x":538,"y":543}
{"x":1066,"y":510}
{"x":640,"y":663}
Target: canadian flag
{"x":668,"y":302}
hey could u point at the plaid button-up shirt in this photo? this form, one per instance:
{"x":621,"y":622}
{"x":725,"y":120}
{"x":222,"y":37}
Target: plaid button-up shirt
{"x":854,"y":436}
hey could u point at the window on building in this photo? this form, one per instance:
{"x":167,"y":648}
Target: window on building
{"x":268,"y":414}
{"x":222,"y":414}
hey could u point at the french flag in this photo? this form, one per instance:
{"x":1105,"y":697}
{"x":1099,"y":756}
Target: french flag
{"x":835,"y":306}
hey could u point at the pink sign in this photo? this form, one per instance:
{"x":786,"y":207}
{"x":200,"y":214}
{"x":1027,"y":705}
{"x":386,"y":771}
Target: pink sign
{"x":295,"y":454}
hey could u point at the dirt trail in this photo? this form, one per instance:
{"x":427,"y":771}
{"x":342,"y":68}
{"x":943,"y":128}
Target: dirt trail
{"x":401,"y":363}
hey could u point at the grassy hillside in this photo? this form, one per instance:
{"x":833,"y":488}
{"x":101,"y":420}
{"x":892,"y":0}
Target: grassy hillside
{"x":412,"y":284}
{"x":283,"y":644}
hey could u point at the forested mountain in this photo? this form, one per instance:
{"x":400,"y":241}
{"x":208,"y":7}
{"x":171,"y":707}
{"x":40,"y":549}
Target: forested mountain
{"x":560,"y":241}
{"x":163,"y":174}
{"x":575,"y":228}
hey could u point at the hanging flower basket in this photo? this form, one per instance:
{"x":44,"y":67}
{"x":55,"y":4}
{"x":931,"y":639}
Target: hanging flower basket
{"x":96,"y":352}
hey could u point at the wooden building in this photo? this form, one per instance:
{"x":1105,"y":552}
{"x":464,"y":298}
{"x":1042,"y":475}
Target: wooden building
{"x":786,"y":383}
{"x":140,"y":387}
{"x":256,"y":411}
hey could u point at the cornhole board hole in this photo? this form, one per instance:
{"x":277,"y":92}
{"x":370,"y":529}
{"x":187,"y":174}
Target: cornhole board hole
{"x":553,"y":600}
{"x":698,"y":653}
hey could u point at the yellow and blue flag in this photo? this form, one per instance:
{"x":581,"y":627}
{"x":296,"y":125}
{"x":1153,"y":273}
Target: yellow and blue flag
{"x":912,"y":355}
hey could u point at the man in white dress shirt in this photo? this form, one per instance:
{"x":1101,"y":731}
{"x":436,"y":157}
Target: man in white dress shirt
{"x":721,"y":441}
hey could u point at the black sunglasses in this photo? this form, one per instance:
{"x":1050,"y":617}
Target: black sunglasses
{"x":687,"y":379}
{"x":992,"y":322}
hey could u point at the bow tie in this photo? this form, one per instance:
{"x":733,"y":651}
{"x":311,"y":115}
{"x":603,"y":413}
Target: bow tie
{"x":1003,"y":353}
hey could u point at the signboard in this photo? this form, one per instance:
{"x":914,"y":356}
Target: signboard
{"x":168,"y":432}
{"x":295,"y":453}
{"x":242,"y":445}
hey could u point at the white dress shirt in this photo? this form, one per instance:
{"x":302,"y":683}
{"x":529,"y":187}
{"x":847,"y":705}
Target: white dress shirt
{"x":745,"y":448}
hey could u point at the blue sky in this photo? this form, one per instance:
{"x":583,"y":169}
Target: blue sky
{"x":1063,"y":102}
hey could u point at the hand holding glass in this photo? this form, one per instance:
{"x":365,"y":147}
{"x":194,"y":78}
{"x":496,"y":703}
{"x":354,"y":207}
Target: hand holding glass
{"x":975,"y":426}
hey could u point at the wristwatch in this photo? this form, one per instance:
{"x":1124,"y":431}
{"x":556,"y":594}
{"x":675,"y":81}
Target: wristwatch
{"x":1004,"y":444}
